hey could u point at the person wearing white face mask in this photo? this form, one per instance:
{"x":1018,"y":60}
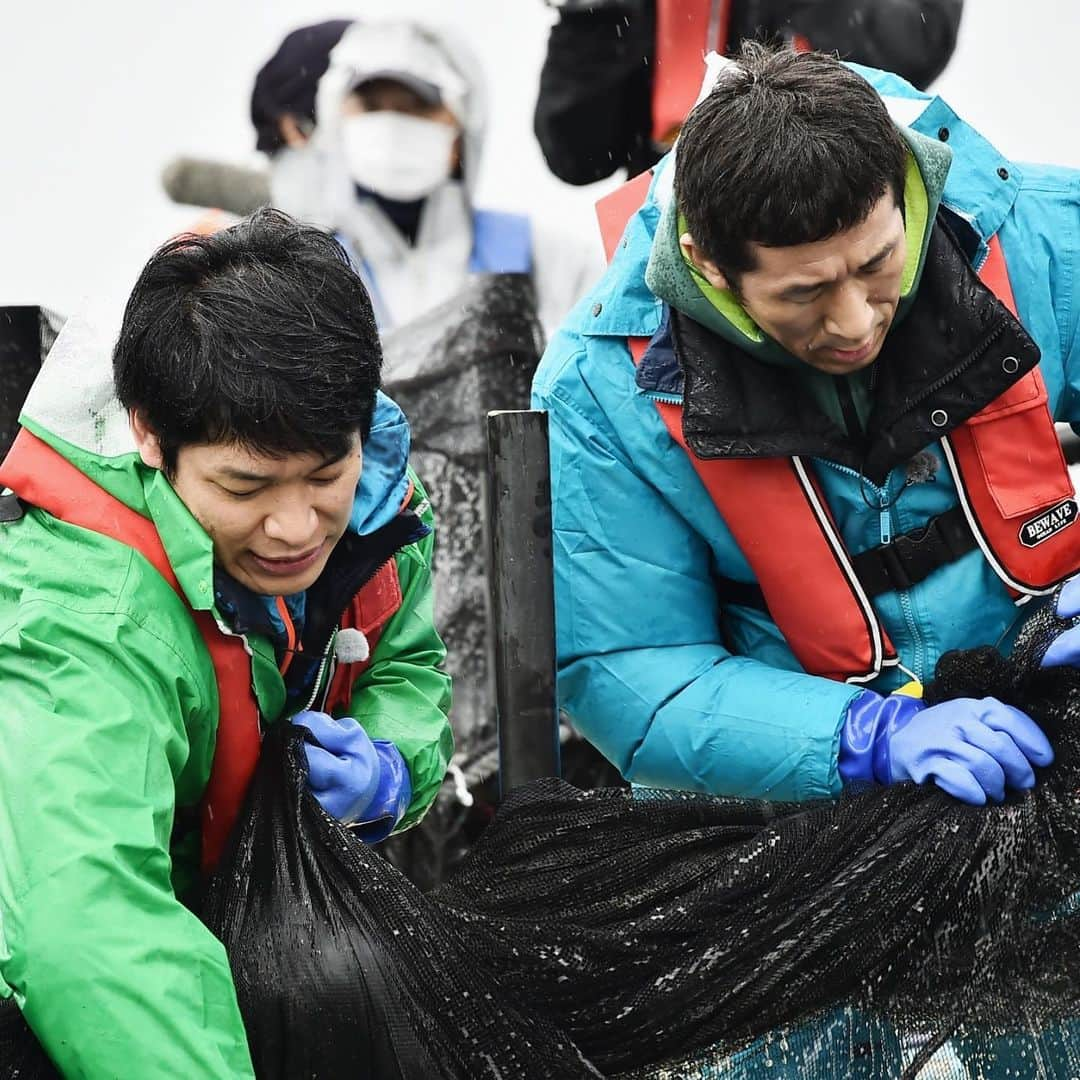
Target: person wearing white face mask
{"x":402,"y":213}
{"x":398,"y":140}
{"x":385,"y":152}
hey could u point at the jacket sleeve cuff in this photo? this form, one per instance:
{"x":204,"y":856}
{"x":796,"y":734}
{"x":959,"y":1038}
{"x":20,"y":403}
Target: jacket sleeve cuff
{"x":869,"y":724}
{"x":392,"y":795}
{"x":856,"y":764}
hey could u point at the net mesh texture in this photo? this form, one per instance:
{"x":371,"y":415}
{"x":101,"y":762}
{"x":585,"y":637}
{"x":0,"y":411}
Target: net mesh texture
{"x":894,"y":932}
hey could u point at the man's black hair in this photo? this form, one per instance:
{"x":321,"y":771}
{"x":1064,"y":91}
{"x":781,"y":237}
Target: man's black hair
{"x":788,"y":148}
{"x":259,"y":335}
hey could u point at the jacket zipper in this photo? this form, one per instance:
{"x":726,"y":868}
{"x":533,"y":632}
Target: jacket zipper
{"x":666,"y":399}
{"x":916,"y":637}
{"x":885,"y":528}
{"x":318,"y":683}
{"x":330,"y":661}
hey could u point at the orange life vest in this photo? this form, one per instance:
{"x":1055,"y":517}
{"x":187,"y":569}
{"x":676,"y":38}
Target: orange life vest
{"x":1019,"y":506}
{"x":686,"y":32}
{"x":45,"y":479}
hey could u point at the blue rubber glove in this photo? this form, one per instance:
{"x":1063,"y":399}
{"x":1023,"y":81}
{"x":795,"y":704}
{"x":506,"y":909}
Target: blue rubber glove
{"x":1065,"y":648}
{"x":392,"y":795}
{"x":362,"y":782}
{"x":972,"y":749}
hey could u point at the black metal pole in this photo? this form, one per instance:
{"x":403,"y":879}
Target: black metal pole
{"x":522,"y":596}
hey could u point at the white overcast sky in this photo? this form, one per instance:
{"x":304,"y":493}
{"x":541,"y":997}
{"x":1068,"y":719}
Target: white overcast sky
{"x":98,"y":96}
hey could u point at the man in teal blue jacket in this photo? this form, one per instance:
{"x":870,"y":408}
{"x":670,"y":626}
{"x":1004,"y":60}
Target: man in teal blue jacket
{"x":803,"y":271}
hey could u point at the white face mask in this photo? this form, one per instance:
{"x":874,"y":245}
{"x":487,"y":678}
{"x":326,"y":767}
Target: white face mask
{"x":397,"y":156}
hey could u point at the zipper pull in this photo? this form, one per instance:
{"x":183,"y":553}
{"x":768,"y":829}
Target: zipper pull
{"x":886,"y":520}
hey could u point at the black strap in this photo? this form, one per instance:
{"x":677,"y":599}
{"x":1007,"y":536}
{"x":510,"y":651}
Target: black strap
{"x":744,"y":593}
{"x":910,"y":558}
{"x":10,"y":507}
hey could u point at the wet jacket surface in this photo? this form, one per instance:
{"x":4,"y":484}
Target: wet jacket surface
{"x":107,"y":736}
{"x":677,"y":689}
{"x":594,"y":107}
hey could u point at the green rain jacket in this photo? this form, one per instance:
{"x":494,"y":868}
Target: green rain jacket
{"x":107,"y":729}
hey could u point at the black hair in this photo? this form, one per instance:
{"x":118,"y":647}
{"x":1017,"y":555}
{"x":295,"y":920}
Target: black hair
{"x":788,"y":148}
{"x":370,"y":91}
{"x":260,"y":335}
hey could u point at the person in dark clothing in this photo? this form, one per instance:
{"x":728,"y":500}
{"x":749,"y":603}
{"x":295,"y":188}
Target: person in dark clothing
{"x":595,"y":107}
{"x":283,"y":98}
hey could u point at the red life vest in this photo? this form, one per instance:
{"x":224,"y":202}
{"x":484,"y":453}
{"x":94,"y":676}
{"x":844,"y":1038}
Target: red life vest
{"x":1020,"y":506}
{"x":686,"y":32}
{"x":45,"y":479}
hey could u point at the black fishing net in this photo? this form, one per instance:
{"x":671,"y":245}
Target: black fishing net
{"x":447,"y":369}
{"x":895,"y":932}
{"x":26,"y":335}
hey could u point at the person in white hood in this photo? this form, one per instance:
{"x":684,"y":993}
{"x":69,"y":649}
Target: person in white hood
{"x":391,"y":166}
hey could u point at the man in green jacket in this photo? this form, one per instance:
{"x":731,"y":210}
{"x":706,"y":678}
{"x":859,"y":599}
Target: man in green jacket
{"x":214,"y":532}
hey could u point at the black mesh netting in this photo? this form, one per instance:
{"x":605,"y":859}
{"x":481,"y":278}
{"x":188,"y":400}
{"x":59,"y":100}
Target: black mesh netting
{"x":447,"y":369}
{"x":26,"y":335}
{"x":892,"y":933}
{"x":475,"y":352}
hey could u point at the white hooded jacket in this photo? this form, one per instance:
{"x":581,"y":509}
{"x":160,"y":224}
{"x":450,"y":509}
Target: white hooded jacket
{"x":454,"y":239}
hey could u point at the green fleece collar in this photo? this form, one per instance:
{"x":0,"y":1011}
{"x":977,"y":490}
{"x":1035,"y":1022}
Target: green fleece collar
{"x":671,"y":277}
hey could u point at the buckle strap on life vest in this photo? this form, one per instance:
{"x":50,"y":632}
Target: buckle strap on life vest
{"x":46,"y":479}
{"x":901,"y":564}
{"x":850,"y":643}
{"x":1019,"y":508}
{"x":913,"y":556}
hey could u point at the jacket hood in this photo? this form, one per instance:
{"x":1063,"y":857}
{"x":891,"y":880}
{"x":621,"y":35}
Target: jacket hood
{"x":384,"y":480}
{"x":72,"y":406}
{"x":438,"y":57}
{"x":672,"y":278}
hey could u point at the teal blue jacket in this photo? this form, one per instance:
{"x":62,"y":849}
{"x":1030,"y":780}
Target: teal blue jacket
{"x":676,"y":690}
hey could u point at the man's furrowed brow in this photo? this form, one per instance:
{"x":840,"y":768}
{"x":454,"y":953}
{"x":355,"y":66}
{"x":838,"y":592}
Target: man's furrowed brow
{"x":881,"y":256}
{"x":801,"y":288}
